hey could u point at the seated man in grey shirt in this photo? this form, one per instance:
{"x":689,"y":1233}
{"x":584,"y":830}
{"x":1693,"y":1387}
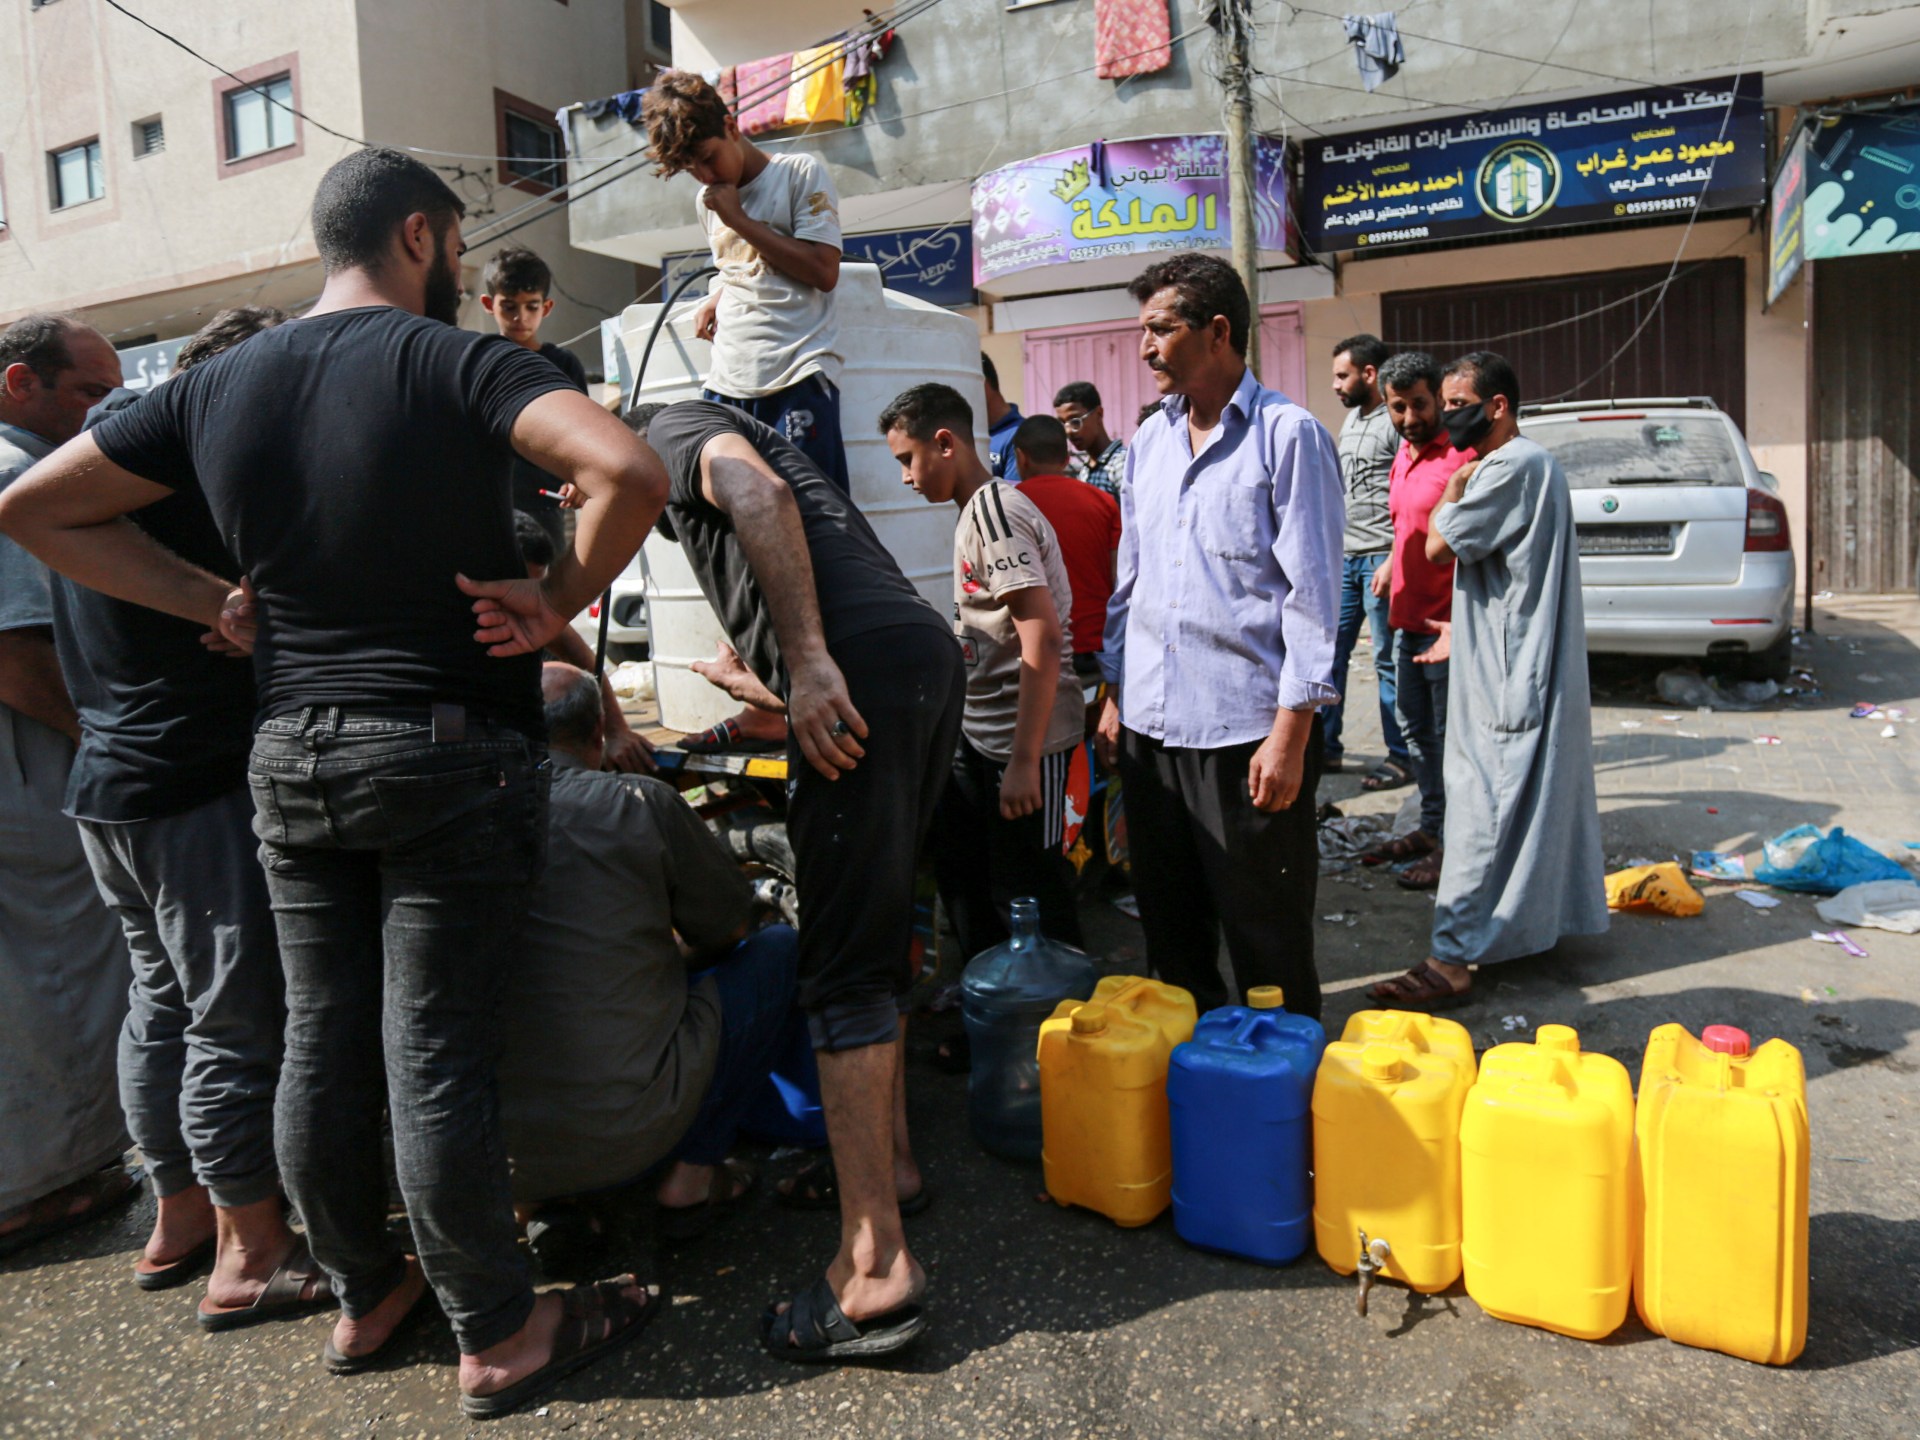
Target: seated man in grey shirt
{"x":628,"y":1048}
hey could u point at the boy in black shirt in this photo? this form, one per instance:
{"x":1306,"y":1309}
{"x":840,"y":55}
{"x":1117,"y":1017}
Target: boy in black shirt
{"x":516,"y":291}
{"x":356,"y":462}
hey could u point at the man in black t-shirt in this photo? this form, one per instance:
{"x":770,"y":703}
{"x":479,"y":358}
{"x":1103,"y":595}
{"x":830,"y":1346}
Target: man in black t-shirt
{"x":357,"y":464}
{"x":829,"y":631}
{"x":515,"y":290}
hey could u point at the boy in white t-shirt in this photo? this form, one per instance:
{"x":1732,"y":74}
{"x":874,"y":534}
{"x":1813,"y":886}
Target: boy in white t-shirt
{"x":773,"y":226}
{"x":998,"y":833}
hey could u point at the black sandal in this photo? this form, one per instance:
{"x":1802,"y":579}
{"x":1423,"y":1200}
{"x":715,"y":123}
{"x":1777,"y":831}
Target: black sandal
{"x":572,"y":1350}
{"x":825,"y":1334}
{"x":1391,"y":775}
{"x":338,"y":1362}
{"x":817,"y":1187}
{"x":177,"y":1272}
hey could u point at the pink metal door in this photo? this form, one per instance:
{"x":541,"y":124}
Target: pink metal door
{"x":1108,"y":354}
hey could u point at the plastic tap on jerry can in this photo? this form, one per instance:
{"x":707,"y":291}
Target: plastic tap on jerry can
{"x":1723,"y":1151}
{"x":1238,"y":1096}
{"x":1546,"y":1153}
{"x":1103,"y":1097}
{"x":1386,"y":1146}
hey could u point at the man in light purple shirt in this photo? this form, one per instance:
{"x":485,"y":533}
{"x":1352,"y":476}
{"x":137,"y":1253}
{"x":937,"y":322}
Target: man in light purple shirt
{"x":1220,"y":639}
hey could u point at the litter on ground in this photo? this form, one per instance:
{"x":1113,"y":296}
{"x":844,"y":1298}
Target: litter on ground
{"x":1880,"y":904}
{"x":1719,"y":865}
{"x":1837,"y":937}
{"x":1758,"y":899}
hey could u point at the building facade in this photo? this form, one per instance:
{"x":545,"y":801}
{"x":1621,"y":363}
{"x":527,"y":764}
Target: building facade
{"x":143,"y":189}
{"x":1659,"y":293}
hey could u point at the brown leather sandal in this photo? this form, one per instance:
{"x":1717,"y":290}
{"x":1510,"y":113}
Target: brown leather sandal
{"x":1421,"y":988}
{"x":1424,"y":873}
{"x":577,"y":1343}
{"x":1407,"y":847}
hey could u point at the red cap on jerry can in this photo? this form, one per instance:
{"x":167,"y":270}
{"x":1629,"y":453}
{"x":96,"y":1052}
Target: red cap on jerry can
{"x":1726,"y":1040}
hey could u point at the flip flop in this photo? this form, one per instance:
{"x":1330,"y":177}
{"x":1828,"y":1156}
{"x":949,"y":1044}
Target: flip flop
{"x":817,"y":1187}
{"x":825,"y":1334}
{"x":584,"y":1305}
{"x":338,"y":1362}
{"x":280,"y":1300}
{"x":1419,"y":989}
{"x":178,"y":1272}
{"x":106,"y":1189}
{"x":689,"y":1222}
{"x":727,"y":736}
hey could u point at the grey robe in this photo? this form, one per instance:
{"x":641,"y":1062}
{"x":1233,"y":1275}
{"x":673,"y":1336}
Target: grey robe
{"x":1523,"y":861}
{"x":64,"y":969}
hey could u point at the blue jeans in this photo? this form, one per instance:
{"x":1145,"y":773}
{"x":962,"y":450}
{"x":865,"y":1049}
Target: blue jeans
{"x":399,"y":871}
{"x":1422,"y":698}
{"x":759,"y":1020}
{"x":1358,"y":602}
{"x":807,"y":415}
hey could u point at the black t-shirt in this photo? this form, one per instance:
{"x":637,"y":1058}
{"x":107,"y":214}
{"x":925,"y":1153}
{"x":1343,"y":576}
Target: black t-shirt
{"x":859,"y":586}
{"x":354,"y":462}
{"x":528,"y":478}
{"x":166,"y":723}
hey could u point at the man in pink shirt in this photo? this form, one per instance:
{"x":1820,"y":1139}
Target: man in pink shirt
{"x":1420,"y":607}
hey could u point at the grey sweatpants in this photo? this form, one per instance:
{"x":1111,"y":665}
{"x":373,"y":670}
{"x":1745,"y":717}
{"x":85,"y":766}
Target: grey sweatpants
{"x":200,"y":1050}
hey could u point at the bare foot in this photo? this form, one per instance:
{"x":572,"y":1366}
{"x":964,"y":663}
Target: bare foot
{"x":689,"y":1185}
{"x":354,"y":1338}
{"x":185,"y":1223}
{"x":531,"y":1346}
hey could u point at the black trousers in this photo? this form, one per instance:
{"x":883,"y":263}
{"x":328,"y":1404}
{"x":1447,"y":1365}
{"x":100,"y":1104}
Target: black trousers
{"x":983,"y":863}
{"x":1205,"y":860}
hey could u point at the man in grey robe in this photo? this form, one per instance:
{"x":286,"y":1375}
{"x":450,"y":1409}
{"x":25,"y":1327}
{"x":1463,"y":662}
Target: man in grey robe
{"x":64,"y":968}
{"x":1523,"y":859}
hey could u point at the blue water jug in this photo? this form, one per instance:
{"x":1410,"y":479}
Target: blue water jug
{"x":1241,"y":1098}
{"x":1005,"y":993}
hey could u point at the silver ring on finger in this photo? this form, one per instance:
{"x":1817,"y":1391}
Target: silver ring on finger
{"x":840,"y":727}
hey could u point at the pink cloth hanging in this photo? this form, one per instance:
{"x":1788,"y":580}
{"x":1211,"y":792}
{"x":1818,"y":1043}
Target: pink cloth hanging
{"x":1131,"y":37}
{"x":763,"y":93}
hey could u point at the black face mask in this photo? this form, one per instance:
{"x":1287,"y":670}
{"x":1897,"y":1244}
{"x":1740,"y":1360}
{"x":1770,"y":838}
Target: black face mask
{"x":1467,"y":426}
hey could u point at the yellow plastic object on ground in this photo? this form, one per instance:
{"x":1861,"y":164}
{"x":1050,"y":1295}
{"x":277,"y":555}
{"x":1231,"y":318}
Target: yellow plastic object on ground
{"x":1723,"y":1148}
{"x":1661,"y":887}
{"x":1386,"y":1145}
{"x":1105,"y":1142}
{"x":1546,"y":1150}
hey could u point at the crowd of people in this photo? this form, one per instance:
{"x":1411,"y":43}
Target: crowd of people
{"x":393,"y":904}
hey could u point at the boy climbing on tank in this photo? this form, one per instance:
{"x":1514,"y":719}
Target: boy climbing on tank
{"x":773,"y":227}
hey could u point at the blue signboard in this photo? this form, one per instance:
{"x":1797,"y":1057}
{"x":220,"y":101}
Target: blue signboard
{"x":1863,"y":184}
{"x":933,"y":264}
{"x":1666,"y":150}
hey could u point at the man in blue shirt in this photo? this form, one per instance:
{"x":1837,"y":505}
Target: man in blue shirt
{"x":1220,"y":638}
{"x":1002,"y":420}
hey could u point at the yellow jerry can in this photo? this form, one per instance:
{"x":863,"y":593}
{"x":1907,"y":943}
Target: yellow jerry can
{"x":1546,"y":1151}
{"x":1723,"y":1149}
{"x":1105,"y":1142}
{"x":1386,"y":1147}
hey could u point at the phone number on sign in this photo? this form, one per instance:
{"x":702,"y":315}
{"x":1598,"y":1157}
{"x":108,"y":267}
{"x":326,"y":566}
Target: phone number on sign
{"x":1392,"y":237}
{"x":1647,"y":207}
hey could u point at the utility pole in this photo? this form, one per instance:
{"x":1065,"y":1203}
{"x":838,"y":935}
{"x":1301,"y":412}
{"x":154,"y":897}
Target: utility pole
{"x":1233,"y":19}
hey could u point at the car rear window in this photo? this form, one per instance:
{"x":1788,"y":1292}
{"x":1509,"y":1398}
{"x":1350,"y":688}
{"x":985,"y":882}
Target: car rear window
{"x":1602,"y":450}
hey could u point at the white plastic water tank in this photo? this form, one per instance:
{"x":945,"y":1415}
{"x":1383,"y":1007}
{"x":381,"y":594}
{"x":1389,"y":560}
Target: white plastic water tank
{"x":888,"y":342}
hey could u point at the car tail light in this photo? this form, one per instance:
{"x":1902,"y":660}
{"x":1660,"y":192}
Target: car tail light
{"x":1766,"y":523}
{"x":593,"y":610}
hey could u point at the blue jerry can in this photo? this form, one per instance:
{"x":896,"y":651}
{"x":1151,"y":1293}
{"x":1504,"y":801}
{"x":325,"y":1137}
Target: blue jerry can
{"x":1241,"y":1097}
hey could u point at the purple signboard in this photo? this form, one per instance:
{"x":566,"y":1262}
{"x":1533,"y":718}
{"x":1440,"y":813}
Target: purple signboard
{"x":1120,"y":197}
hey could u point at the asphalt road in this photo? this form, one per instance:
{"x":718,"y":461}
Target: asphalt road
{"x":1051,"y":1322}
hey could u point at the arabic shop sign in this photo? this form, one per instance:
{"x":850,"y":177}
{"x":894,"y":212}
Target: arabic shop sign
{"x":1786,"y":212}
{"x":1667,"y":150}
{"x":933,"y":264}
{"x":1863,"y":185}
{"x":144,"y":366}
{"x":1120,"y":197}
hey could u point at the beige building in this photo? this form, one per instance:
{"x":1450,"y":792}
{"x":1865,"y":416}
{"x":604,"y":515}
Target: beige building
{"x":145,"y":189}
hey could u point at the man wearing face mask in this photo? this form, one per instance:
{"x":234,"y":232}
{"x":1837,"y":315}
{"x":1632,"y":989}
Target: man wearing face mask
{"x":1523,"y":863}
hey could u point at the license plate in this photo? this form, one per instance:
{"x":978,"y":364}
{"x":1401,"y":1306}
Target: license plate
{"x":1625,"y":539}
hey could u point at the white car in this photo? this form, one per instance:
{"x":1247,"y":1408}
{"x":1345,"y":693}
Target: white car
{"x":1684,"y":546}
{"x":627,"y":633}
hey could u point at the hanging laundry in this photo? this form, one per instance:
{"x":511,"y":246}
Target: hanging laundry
{"x":728,"y":84}
{"x":1131,"y":37}
{"x":818,"y":94}
{"x":866,"y":48}
{"x":763,"y":93}
{"x":626,"y":105}
{"x":1376,"y":47}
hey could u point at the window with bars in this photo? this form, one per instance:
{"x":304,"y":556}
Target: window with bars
{"x":259,"y":117}
{"x":149,"y":137}
{"x":79,"y":174}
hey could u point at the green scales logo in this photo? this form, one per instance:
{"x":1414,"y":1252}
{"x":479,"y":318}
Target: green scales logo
{"x":1518,"y":181}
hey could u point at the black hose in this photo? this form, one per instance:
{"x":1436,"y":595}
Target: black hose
{"x":639,"y":374}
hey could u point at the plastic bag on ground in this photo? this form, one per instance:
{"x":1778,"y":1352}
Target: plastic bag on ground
{"x":1882,"y":904}
{"x":632,"y":680}
{"x":1804,"y":859}
{"x":1684,"y":687}
{"x":1342,"y":837}
{"x":1661,"y":887}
